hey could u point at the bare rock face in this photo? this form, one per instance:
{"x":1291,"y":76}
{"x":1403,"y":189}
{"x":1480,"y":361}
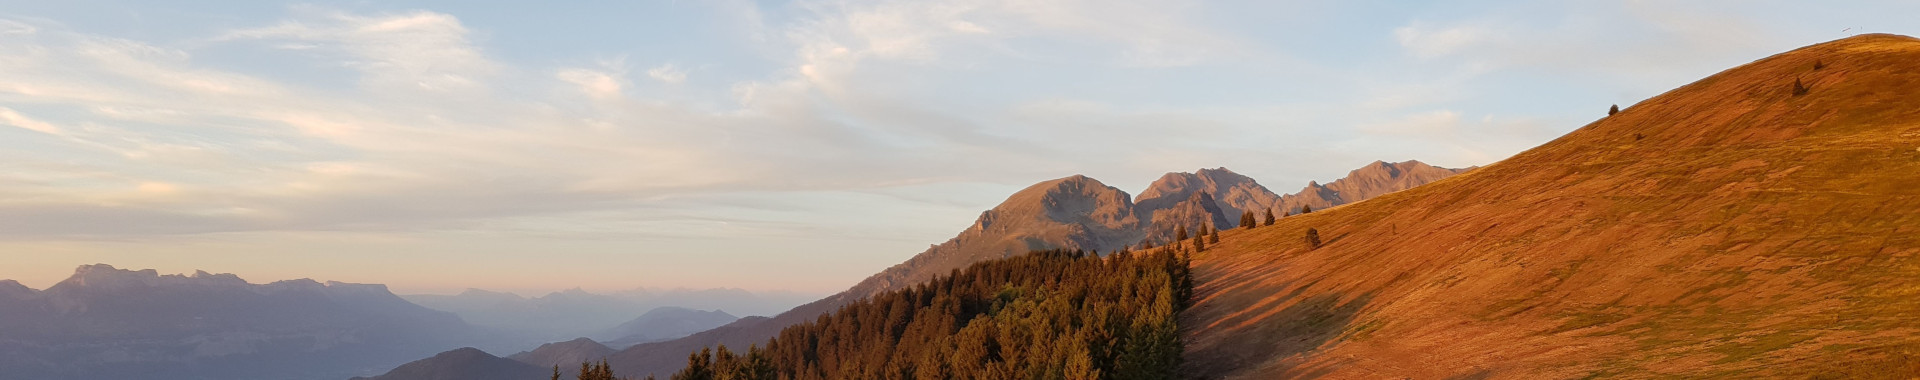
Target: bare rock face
{"x":1207,"y":197}
{"x":1232,"y":193}
{"x":1197,"y":210}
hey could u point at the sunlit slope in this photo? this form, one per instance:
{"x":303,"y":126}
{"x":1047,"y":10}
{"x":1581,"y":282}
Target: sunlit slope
{"x":1728,"y":228}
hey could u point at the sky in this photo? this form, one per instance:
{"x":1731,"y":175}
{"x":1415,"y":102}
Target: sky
{"x":767,"y":145}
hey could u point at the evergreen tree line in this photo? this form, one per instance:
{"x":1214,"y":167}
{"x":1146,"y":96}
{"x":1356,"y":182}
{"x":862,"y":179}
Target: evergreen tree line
{"x":1056,"y":314}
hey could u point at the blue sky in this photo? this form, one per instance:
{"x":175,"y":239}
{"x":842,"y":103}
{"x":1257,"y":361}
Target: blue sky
{"x":439,"y":145}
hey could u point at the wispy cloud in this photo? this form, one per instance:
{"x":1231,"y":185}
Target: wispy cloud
{"x":419,"y":51}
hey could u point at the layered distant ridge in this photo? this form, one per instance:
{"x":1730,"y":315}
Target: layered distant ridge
{"x":105,"y":322}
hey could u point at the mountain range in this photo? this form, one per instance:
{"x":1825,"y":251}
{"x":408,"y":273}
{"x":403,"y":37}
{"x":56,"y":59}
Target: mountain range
{"x":576,"y":313}
{"x":1076,"y":212}
{"x":105,"y":322}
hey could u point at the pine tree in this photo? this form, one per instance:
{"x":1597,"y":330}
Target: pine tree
{"x":1246,"y":220}
{"x":1180,"y":234}
{"x":699,"y":366}
{"x":1306,"y":209}
{"x":556,"y":372}
{"x":1798,"y":88}
{"x":1214,"y":238}
{"x":1270,"y":218}
{"x":1614,"y":110}
{"x":1199,"y":245}
{"x":1313,"y":238}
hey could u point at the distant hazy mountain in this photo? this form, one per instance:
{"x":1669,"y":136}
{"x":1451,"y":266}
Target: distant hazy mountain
{"x":577,"y":313}
{"x":567,"y":355}
{"x":107,"y":323}
{"x":465,"y":364}
{"x":665,"y":323}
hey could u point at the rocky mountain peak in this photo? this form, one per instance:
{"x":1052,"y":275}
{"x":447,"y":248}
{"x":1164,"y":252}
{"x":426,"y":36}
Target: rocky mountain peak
{"x":1077,"y":200}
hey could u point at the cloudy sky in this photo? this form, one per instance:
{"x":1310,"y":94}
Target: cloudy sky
{"x":798,"y":145}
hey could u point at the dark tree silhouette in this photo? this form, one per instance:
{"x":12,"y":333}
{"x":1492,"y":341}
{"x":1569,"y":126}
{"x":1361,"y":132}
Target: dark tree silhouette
{"x":1247,"y":221}
{"x":1180,"y":234}
{"x":1045,"y":315}
{"x":1306,"y":209}
{"x":1313,"y":238}
{"x":1614,"y":110}
{"x":1798,"y":88}
{"x":1270,"y":218}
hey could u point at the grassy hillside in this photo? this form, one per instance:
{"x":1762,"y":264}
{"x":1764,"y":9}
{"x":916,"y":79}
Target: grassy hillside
{"x":1736,"y":227}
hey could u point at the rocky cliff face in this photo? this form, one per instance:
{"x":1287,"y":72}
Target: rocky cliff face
{"x":1232,"y":193}
{"x":1198,"y":209}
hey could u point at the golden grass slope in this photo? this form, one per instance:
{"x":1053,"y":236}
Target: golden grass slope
{"x":1726,"y":229}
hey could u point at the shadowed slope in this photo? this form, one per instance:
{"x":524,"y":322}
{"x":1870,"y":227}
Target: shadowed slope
{"x":1728,"y":228}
